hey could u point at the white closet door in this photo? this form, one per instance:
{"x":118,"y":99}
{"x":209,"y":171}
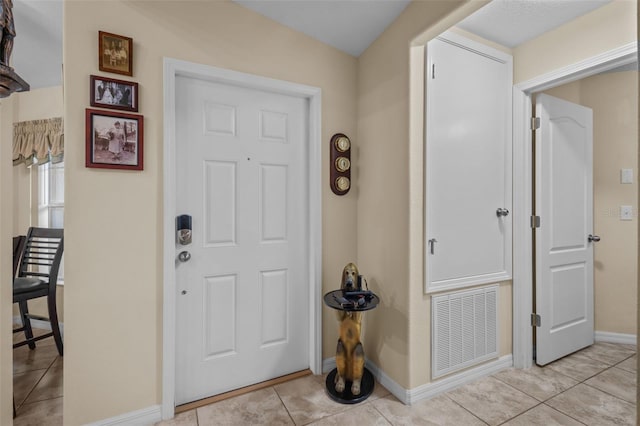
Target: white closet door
{"x":468,"y":163}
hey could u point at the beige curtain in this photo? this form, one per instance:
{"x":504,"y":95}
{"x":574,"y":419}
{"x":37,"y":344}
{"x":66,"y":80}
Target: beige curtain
{"x":38,"y":141}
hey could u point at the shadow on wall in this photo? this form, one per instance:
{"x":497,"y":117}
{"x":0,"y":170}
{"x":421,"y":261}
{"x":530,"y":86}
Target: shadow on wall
{"x":388,"y":325}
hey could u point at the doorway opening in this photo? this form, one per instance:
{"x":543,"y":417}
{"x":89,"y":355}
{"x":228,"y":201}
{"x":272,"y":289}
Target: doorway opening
{"x":523,"y":301}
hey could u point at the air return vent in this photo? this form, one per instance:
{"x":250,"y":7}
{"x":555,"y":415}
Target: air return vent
{"x":464,"y":329}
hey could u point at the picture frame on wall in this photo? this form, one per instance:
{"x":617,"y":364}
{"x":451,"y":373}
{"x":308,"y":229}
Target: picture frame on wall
{"x":114,"y":140}
{"x":114,"y":94}
{"x":115,"y":53}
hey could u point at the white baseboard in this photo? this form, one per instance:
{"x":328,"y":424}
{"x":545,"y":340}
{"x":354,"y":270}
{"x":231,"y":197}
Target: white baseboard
{"x":627,"y":339}
{"x":391,"y":385}
{"x":143,"y":417}
{"x":429,"y":390}
{"x":453,"y":381}
{"x":44,"y":325}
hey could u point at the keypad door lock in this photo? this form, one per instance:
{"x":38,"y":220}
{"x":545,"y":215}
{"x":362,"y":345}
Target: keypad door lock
{"x":183,"y":229}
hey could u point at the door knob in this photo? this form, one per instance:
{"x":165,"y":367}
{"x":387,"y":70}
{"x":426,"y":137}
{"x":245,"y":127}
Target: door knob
{"x":502,"y":212}
{"x":593,"y":238}
{"x":184,"y":256}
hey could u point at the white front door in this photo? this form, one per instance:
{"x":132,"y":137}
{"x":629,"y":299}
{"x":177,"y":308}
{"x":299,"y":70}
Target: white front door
{"x":564,"y":253}
{"x":242,"y":298}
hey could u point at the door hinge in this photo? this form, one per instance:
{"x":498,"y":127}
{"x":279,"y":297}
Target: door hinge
{"x":535,"y":221}
{"x":535,"y":123}
{"x":433,"y":71}
{"x":535,"y":320}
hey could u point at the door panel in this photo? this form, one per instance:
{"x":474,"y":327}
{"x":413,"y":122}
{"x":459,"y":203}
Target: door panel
{"x":564,"y":202}
{"x":219,"y":308}
{"x":468,"y":163}
{"x":241,"y":174}
{"x":220,"y":203}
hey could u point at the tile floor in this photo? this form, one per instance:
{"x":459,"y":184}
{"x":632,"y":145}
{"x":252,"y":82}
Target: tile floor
{"x":596,"y":386}
{"x":37,"y":383}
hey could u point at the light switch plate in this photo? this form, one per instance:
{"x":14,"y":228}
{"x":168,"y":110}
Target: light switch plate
{"x":626,"y":176}
{"x":626,"y":213}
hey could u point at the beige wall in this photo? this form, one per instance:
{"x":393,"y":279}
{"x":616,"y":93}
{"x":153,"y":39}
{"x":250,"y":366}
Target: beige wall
{"x":113,"y":317}
{"x":613,"y":98}
{"x":604,"y":29}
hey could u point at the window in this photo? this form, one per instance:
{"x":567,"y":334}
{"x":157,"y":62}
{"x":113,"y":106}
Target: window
{"x":51,"y":200}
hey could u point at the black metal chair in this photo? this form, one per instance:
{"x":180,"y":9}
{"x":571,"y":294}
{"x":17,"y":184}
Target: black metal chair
{"x":37,"y":276}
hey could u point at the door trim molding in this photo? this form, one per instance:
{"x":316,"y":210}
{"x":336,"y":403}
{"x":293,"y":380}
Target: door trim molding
{"x":522,"y":180}
{"x":172,"y":68}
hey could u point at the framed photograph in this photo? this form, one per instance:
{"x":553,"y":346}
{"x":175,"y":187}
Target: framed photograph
{"x":114,"y":140}
{"x":115,"y":53}
{"x":114,"y":94}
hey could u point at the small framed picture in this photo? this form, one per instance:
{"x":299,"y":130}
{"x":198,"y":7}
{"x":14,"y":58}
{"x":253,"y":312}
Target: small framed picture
{"x":114,"y":140}
{"x":114,"y":94}
{"x":115,"y":53}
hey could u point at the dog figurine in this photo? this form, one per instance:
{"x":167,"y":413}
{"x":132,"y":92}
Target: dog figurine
{"x":349,"y":353}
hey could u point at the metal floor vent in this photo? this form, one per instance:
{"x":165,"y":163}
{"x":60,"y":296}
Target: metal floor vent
{"x":464,"y":329}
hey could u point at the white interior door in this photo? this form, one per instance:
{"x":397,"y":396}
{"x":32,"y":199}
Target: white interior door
{"x":468,"y":163}
{"x":564,"y":254}
{"x":242,"y":298}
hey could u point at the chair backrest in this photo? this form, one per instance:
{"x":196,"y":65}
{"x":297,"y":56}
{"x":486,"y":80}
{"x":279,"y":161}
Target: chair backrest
{"x":42,"y":254}
{"x":18,"y":248}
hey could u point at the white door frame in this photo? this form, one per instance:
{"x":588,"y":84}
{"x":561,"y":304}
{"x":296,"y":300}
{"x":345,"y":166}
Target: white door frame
{"x":172,"y":69}
{"x":522,"y":185}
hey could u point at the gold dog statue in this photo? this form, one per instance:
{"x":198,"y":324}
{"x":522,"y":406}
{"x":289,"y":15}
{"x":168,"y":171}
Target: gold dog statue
{"x":349,"y":353}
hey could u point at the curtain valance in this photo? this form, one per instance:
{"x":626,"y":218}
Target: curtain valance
{"x":38,"y":141}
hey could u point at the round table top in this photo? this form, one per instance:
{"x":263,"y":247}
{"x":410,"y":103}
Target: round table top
{"x":335,"y":299}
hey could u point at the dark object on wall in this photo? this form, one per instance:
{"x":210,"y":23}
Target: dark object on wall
{"x":115,"y":53}
{"x":113,"y":94}
{"x":340,"y":164}
{"x":9,"y":81}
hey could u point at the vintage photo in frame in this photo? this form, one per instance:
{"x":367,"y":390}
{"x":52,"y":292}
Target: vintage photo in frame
{"x":114,"y":94}
{"x":115,"y":53}
{"x":114,"y":140}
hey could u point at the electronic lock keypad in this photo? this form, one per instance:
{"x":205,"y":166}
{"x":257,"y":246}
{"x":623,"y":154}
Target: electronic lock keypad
{"x":183,"y":229}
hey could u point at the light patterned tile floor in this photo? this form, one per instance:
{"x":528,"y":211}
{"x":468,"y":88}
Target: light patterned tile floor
{"x":591,"y":387}
{"x":595,"y":386}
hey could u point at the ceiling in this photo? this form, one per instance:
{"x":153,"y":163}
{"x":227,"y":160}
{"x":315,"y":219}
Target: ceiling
{"x":513,"y":22}
{"x":348,"y":25}
{"x":37,"y":48}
